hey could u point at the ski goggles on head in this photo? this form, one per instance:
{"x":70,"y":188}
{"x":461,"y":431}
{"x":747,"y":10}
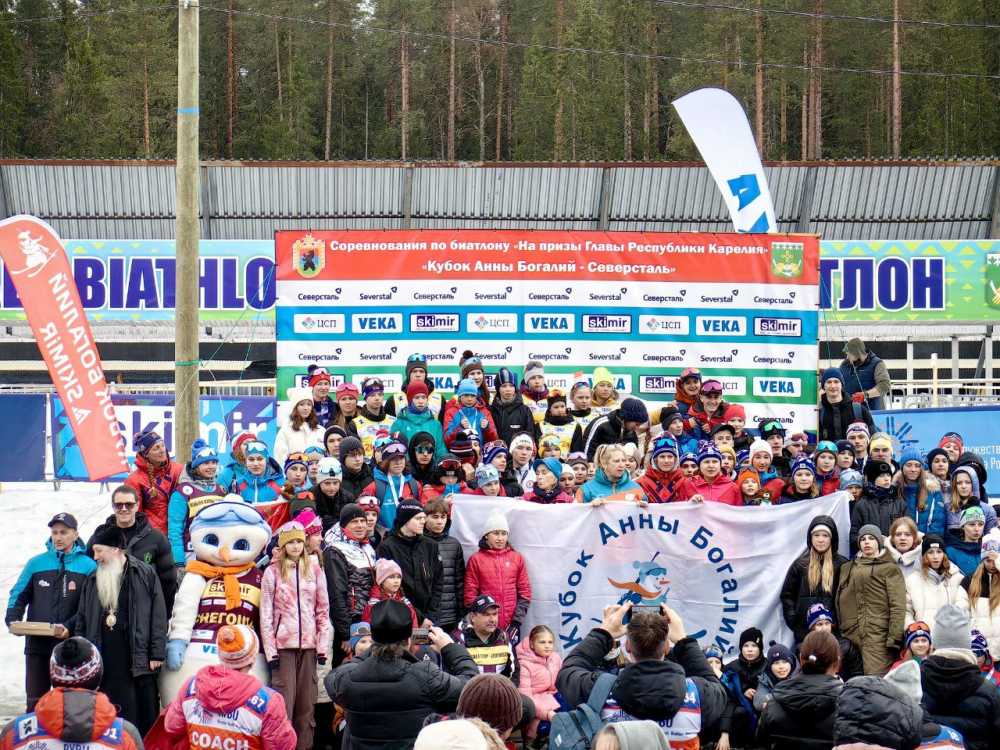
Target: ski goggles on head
{"x":255,"y":447}
{"x":347,"y":389}
{"x":712,"y":386}
{"x":393,"y":449}
{"x":690,"y":372}
{"x":297,"y":457}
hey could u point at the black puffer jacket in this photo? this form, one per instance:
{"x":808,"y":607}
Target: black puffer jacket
{"x":350,"y":576}
{"x":796,"y":597}
{"x":145,"y":543}
{"x":385,"y":703}
{"x":147,"y":625}
{"x":871,"y":711}
{"x":423,"y":573}
{"x":607,"y":430}
{"x":512,"y":418}
{"x":355,"y":481}
{"x":879,"y":506}
{"x":452,"y":608}
{"x":647,"y":690}
{"x":800,"y":714}
{"x":957,"y":696}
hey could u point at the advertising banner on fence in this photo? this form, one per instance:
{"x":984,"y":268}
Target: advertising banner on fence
{"x":911,"y":281}
{"x":134,"y":279}
{"x":925,"y":427}
{"x":742,"y":308}
{"x":33,"y":256}
{"x":22,"y":450}
{"x":221,"y":417}
{"x":720,"y":567}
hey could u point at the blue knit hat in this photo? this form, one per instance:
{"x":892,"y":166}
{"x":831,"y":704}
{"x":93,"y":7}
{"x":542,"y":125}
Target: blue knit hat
{"x":467,"y":387}
{"x":633,"y":410}
{"x":712,"y":652}
{"x":851,"y":478}
{"x":506,"y":376}
{"x":494,"y":449}
{"x":742,"y":457}
{"x":143,"y":441}
{"x":689,"y":456}
{"x":358,"y":631}
{"x":803,"y":462}
{"x":816,"y":613}
{"x":709,"y":451}
{"x":551,"y":464}
{"x":485,"y":474}
{"x":910,"y":453}
{"x":202,"y":453}
{"x":832,"y":373}
{"x":664,"y":445}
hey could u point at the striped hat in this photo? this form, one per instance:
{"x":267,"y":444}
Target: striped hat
{"x":238,"y":646}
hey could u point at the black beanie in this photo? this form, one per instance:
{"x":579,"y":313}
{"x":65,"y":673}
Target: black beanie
{"x":930,"y":541}
{"x":407,"y":510}
{"x":351,"y":512}
{"x":108,"y":535}
{"x":752,"y":635}
{"x":391,"y":622}
{"x":348,"y":445}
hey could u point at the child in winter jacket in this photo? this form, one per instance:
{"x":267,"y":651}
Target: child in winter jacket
{"x":452,"y":560}
{"x":904,"y":545}
{"x":934,"y":583}
{"x":879,"y":505}
{"x":497,"y":570}
{"x":388,"y":585}
{"x":977,"y":593}
{"x":469,"y":414}
{"x":741,"y":678}
{"x":827,"y":474}
{"x":762,"y":459}
{"x":981,"y":650}
{"x":605,"y":398}
{"x":780,"y":666}
{"x":534,"y":392}
{"x":294,"y":624}
{"x":917,"y":645}
{"x":711,"y":485}
{"x":391,"y":485}
{"x":965,"y":553}
{"x":417,"y":417}
{"x":560,"y":423}
{"x":296,"y":471}
{"x":965,"y":492}
{"x":540,"y":665}
{"x":736,"y":417}
{"x":748,"y":481}
{"x":922,"y":493}
{"x":302,"y":429}
{"x":803,"y":485}
{"x":196,"y":488}
{"x":372,"y":417}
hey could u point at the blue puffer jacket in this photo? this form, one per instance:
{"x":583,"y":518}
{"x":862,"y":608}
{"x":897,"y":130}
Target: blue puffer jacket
{"x":49,"y":588}
{"x":966,"y":555}
{"x":933,"y":519}
{"x":602,"y":487}
{"x":263,"y":489}
{"x":230,"y":473}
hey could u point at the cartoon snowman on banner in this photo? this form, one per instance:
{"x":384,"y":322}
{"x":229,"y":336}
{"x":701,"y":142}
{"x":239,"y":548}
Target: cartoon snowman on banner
{"x":220,"y":587}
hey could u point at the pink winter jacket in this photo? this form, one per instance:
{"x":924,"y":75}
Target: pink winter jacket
{"x":503,"y":575}
{"x":294,"y":614}
{"x":722,"y":490}
{"x":223,"y":691}
{"x":538,"y":681}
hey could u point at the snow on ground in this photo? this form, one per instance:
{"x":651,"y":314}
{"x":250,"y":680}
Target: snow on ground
{"x":27,"y":509}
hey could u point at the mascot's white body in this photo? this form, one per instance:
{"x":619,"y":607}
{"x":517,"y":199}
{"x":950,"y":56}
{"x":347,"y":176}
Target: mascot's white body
{"x":227,"y":537}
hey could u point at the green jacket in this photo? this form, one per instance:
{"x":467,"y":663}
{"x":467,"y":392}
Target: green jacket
{"x":410,"y":424}
{"x":871,"y":602}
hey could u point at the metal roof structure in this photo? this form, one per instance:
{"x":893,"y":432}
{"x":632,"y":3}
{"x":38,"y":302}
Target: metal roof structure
{"x":839,"y":201}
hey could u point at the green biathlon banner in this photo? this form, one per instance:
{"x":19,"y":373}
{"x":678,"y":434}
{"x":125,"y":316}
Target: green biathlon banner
{"x":743,"y":308}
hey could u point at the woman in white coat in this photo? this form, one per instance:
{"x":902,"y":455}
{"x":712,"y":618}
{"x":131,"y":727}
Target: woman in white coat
{"x":302,"y":429}
{"x":935,"y":582}
{"x":979,"y":594}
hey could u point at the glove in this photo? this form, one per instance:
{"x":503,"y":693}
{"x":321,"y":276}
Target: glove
{"x":858,"y":398}
{"x":180,"y":574}
{"x":175,"y":654}
{"x":514,"y":633}
{"x":273,"y":665}
{"x":321,"y":661}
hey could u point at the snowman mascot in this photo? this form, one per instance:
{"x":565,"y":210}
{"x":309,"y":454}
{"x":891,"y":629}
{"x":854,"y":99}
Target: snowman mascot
{"x":220,"y":587}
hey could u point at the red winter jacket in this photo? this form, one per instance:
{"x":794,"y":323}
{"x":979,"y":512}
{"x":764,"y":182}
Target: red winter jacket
{"x":503,"y":575}
{"x":155,"y":485}
{"x":487,"y":434}
{"x":830,"y":483}
{"x":72,"y":717}
{"x":433,"y":491}
{"x":722,"y":490}
{"x":377,"y":594}
{"x":239,"y":700}
{"x":660,"y":487}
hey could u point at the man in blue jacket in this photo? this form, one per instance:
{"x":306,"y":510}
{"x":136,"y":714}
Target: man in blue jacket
{"x":49,"y":588}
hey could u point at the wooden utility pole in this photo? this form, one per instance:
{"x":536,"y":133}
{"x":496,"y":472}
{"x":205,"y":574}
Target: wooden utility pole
{"x":187,"y":361}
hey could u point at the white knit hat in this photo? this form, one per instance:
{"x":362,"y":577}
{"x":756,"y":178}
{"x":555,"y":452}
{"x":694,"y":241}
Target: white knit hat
{"x":522,"y":439}
{"x":238,"y":646}
{"x":454,"y":733}
{"x":759,"y":446}
{"x":495,"y":521}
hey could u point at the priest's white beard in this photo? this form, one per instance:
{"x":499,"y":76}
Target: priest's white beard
{"x":109,"y":578}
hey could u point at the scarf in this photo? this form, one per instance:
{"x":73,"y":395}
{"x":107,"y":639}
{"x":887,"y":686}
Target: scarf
{"x":547,"y":496}
{"x":880,"y":493}
{"x":936,"y":576}
{"x":229,"y":577}
{"x":534,"y":395}
{"x":414,"y":410}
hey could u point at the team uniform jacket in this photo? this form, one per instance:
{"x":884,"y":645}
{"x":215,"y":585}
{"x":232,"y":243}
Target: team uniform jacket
{"x":155,"y":486}
{"x":190,"y":496}
{"x":71,"y":719}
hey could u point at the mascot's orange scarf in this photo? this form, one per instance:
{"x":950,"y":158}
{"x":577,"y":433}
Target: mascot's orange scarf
{"x":229,"y":577}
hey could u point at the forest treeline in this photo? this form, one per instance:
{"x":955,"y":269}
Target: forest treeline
{"x":501,"y":80}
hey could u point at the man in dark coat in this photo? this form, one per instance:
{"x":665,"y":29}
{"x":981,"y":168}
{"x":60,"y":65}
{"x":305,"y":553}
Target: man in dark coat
{"x":955,"y":693}
{"x":865,"y":375}
{"x":387,"y":693}
{"x":419,"y":559}
{"x":873,"y":713}
{"x":656,"y":685}
{"x":618,"y":427}
{"x":836,"y":411}
{"x":142,"y":541}
{"x":49,"y":587}
{"x":123,"y":614}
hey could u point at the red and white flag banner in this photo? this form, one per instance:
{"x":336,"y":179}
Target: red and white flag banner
{"x":39,"y":267}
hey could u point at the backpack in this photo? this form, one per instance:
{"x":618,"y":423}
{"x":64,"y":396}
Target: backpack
{"x":575,"y":730}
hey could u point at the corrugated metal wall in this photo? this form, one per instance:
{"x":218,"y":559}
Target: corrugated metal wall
{"x":862,"y":201}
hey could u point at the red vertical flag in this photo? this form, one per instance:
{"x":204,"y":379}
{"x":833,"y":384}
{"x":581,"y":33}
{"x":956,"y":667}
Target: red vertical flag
{"x":40,"y":269}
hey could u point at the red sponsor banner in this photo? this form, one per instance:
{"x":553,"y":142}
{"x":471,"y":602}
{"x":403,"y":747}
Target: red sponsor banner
{"x":497,"y":255}
{"x":40,"y":270}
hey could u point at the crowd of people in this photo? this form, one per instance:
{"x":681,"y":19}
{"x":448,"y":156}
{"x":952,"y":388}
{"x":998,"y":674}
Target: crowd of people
{"x":380,"y":632}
